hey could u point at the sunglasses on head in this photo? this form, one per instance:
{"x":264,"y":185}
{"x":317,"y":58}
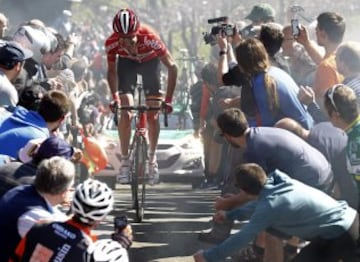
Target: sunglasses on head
{"x":330,"y":95}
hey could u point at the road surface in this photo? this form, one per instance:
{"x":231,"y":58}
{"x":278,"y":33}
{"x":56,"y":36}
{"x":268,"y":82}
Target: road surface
{"x":174,"y":216}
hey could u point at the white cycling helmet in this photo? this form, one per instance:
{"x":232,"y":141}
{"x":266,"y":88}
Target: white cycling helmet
{"x":107,"y":250}
{"x":92,"y":201}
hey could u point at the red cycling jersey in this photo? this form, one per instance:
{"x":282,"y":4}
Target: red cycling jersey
{"x":148,"y":46}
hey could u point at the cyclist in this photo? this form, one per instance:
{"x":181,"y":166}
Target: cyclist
{"x":139,"y":50}
{"x":69,"y":240}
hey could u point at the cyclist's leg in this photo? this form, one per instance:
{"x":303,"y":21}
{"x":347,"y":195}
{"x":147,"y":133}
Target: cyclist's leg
{"x":126,"y":79}
{"x":151,"y":80}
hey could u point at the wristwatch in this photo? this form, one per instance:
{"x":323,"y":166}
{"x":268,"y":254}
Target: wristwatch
{"x":222,"y":52}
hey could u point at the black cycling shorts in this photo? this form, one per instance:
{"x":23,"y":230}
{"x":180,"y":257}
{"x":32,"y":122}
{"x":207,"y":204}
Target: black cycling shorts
{"x":128,"y":69}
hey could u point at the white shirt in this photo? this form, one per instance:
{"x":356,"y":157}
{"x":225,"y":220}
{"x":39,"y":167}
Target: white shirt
{"x":8,"y":94}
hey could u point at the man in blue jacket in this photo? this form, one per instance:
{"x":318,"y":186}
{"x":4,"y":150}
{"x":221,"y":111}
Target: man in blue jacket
{"x":286,"y":207}
{"x":24,"y":125}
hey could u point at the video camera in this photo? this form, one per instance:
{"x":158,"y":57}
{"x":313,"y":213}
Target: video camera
{"x":222,"y":27}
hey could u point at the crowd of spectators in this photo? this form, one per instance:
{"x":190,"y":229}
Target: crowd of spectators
{"x":283,"y":109}
{"x":53,"y":105}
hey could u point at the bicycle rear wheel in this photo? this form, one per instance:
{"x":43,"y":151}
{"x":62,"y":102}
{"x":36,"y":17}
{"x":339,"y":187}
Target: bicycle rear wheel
{"x":138,"y":185}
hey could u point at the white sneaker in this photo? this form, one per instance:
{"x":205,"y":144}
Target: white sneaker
{"x":153,"y":173}
{"x":124,"y":173}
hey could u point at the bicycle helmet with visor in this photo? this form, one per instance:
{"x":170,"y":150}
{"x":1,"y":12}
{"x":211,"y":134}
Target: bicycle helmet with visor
{"x":92,"y":201}
{"x":126,"y":22}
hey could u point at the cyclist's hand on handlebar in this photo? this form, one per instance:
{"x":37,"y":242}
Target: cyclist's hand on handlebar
{"x":167,"y":106}
{"x":115,"y":103}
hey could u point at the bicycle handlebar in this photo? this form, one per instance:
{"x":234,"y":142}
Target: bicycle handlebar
{"x":144,"y":108}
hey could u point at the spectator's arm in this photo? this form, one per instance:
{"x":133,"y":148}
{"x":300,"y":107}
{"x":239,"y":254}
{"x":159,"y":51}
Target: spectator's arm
{"x":316,"y":113}
{"x":310,"y":47}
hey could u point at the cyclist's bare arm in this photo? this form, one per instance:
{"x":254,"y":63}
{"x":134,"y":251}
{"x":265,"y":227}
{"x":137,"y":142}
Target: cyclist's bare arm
{"x":112,"y":77}
{"x":171,"y":66}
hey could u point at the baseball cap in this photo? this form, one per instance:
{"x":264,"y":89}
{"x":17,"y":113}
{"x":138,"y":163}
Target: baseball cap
{"x":11,"y":51}
{"x":53,"y":146}
{"x":261,"y":11}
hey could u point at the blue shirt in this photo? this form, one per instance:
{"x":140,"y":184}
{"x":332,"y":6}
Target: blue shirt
{"x":290,"y":208}
{"x":22,"y":126}
{"x":274,"y":148}
{"x":287,"y":91}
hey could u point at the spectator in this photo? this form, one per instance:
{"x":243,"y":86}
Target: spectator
{"x":23,"y":206}
{"x":331,"y":142}
{"x":92,"y":202}
{"x":343,"y":110}
{"x":47,"y":48}
{"x":272,"y":37}
{"x":24,"y":125}
{"x":15,"y":172}
{"x":268,"y":93}
{"x":302,"y":67}
{"x":12,"y":57}
{"x":3,"y":25}
{"x":287,"y":207}
{"x":260,"y":14}
{"x":64,"y":24}
{"x":196,"y":91}
{"x":272,"y":148}
{"x":330,"y":30}
{"x":348,"y":64}
{"x":213,"y":150}
{"x":30,"y":97}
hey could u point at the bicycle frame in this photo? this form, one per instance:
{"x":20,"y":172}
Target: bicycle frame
{"x":138,"y":153}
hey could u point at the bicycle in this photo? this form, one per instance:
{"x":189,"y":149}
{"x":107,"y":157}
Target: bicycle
{"x":138,"y":150}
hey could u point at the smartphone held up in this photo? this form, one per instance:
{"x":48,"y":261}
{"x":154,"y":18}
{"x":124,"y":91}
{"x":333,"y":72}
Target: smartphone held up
{"x":295,"y":27}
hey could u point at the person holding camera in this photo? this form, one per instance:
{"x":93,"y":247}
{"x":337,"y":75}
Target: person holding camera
{"x":70,"y":240}
{"x":330,"y":30}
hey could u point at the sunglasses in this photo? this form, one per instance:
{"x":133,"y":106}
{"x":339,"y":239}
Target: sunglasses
{"x":330,"y":95}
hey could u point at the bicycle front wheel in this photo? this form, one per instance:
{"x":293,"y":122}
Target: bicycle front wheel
{"x":138,"y":184}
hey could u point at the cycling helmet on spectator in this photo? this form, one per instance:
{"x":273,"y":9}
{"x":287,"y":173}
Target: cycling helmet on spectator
{"x":107,"y":250}
{"x":92,"y":201}
{"x":126,"y":22}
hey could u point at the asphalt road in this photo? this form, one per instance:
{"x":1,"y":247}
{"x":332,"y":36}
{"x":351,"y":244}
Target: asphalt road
{"x":174,"y":216}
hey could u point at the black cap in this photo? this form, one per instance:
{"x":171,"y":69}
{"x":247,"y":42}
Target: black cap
{"x":11,"y":51}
